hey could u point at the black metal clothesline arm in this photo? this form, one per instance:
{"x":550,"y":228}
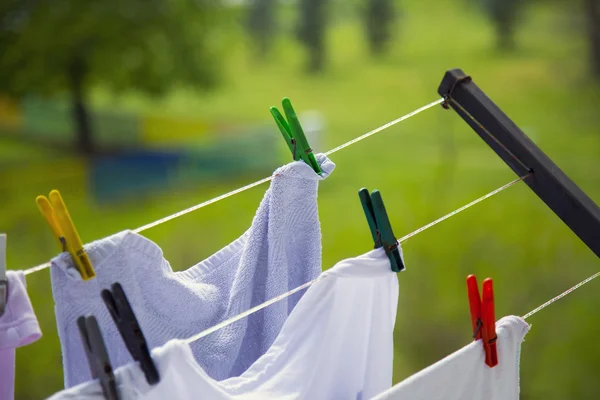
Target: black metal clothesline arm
{"x":549,"y":182}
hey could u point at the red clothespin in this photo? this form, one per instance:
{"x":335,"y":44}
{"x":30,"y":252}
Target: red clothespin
{"x":483,"y":319}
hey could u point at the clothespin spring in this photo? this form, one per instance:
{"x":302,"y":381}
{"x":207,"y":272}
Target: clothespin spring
{"x":478,"y":329}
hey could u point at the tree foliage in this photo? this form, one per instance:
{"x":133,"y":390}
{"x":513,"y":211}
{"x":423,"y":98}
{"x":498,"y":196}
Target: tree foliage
{"x":51,"y":47}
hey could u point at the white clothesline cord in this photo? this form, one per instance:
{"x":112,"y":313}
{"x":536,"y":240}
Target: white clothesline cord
{"x":37,"y":268}
{"x":260,"y":182}
{"x":236,"y":318}
{"x":201,"y":205}
{"x":382,"y":127}
{"x":267,"y":179}
{"x":244,"y":314}
{"x":453,"y":213}
{"x":560,"y":296}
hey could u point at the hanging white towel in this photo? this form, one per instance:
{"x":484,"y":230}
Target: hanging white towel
{"x":280,"y":251}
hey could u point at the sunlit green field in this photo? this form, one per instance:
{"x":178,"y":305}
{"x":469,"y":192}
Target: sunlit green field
{"x":425,"y":167}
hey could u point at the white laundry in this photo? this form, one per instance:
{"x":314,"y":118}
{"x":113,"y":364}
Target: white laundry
{"x":464,"y":374}
{"x":280,"y":251}
{"x":336,"y":344}
{"x":18,"y":327}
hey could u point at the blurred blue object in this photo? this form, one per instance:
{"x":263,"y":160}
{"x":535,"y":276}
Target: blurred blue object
{"x":131,"y":173}
{"x":136,"y":172}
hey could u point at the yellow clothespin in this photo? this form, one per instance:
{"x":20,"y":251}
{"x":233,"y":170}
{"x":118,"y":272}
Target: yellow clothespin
{"x":57,"y":215}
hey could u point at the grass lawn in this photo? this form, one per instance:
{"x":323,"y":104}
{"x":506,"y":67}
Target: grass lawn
{"x":425,"y":167}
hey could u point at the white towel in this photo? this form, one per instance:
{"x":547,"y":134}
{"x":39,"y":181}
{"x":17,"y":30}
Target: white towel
{"x":280,"y":251}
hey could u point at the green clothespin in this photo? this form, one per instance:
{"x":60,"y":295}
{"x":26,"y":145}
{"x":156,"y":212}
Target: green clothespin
{"x":367,"y":204}
{"x":294,"y":135}
{"x":380,"y":227}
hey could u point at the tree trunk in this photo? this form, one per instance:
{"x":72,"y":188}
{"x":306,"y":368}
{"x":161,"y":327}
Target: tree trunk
{"x":592,"y":10}
{"x":261,"y":26}
{"x":77,"y":72}
{"x":504,"y":15}
{"x":316,"y":60}
{"x":505,"y":36}
{"x":311,"y":32}
{"x":379,"y":19}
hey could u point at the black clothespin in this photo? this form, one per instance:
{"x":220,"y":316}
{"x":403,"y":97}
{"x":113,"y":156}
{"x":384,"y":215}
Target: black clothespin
{"x":97,"y":356}
{"x":380,"y":227}
{"x":127,"y":324}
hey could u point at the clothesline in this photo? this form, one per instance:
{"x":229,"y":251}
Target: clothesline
{"x":325,"y":276}
{"x":252,"y":310}
{"x":267,"y":303}
{"x":260,"y":182}
{"x":307,"y":284}
{"x":259,"y":307}
{"x":269,"y":178}
{"x":560,"y":296}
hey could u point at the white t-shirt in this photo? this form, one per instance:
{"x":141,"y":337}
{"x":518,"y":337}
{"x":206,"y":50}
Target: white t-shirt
{"x":336,"y":344}
{"x":465,"y":375}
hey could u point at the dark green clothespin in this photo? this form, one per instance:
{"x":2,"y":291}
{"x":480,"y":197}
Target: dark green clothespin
{"x":380,"y":227}
{"x":294,"y":135}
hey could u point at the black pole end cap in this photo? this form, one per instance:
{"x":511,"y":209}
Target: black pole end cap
{"x":451,"y":79}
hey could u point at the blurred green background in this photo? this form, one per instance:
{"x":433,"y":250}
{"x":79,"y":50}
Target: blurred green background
{"x":217,"y":67}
